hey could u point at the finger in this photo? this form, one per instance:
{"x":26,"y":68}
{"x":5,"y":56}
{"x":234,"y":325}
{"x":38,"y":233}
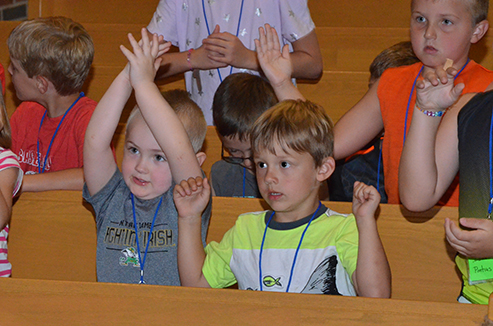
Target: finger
{"x":216,"y":29}
{"x":214,"y":44}
{"x":179,"y":191}
{"x":475,"y":223}
{"x":163,"y":48}
{"x":275,"y":40}
{"x":145,"y":41}
{"x":431,"y":77}
{"x":157,"y":63}
{"x":262,"y":39}
{"x":135,"y":45}
{"x":127,"y":53}
{"x":285,"y":51}
{"x":154,"y":45}
{"x":258,"y":48}
{"x":457,"y":90}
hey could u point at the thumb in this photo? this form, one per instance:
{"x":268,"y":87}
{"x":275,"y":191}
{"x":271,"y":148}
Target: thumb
{"x":216,"y":29}
{"x":457,"y":90}
{"x":473,"y":223}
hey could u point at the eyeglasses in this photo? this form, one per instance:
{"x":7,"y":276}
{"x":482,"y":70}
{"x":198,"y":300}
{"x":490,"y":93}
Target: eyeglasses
{"x":234,"y":159}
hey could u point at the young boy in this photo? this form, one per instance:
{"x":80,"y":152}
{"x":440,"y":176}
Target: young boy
{"x":239,"y":101}
{"x":50,"y":60}
{"x":135,"y":215}
{"x":439,"y":30}
{"x":299,"y":246}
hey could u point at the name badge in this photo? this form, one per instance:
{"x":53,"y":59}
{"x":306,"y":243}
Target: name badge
{"x":480,"y":270}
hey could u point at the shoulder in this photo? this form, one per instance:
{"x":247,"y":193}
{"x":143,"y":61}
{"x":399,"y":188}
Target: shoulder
{"x":402,"y":72}
{"x":29,"y":110}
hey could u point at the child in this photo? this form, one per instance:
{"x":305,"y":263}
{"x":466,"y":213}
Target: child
{"x":299,"y":246}
{"x":10,"y":183}
{"x":135,"y":215}
{"x":50,"y":60}
{"x":239,"y":101}
{"x":365,"y":165}
{"x":437,"y":148}
{"x":439,"y":30}
{"x":216,"y":39}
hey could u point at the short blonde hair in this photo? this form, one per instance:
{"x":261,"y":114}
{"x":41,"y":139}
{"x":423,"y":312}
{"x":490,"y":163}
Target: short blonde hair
{"x":56,"y":48}
{"x":477,"y":8}
{"x":301,"y":126}
{"x":189,"y":113}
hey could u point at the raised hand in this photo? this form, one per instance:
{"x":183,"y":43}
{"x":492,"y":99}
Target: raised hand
{"x":436,"y":90}
{"x":474,"y":243}
{"x":191,"y":197}
{"x":144,"y":61}
{"x":365,"y":201}
{"x":276,"y":66}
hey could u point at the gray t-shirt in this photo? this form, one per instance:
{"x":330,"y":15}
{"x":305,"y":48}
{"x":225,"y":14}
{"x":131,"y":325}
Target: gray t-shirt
{"x":117,"y":258}
{"x":229,"y":180}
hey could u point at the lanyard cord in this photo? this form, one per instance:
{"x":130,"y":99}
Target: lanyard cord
{"x":295,"y":255}
{"x":142,"y":262}
{"x":53,"y":137}
{"x":244,"y":177}
{"x":209,"y":32}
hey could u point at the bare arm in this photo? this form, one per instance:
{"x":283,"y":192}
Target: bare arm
{"x":99,"y":163}
{"x":191,"y":197}
{"x":357,"y":127}
{"x":164,"y":124}
{"x":8,"y":178}
{"x":372,"y":277}
{"x":430,"y":158}
{"x":70,"y":179}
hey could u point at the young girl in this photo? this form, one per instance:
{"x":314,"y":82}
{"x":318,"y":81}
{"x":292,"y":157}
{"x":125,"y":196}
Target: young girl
{"x":10,"y":182}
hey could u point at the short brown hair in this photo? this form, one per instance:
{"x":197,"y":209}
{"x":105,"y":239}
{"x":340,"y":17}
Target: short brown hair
{"x":239,"y":101}
{"x":56,"y":48}
{"x":189,"y":113}
{"x":477,"y":8}
{"x":302,"y":126}
{"x":400,"y":54}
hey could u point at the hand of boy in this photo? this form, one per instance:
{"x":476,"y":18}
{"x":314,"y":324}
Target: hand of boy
{"x":476,"y":243}
{"x":276,"y":66}
{"x":227,"y":49}
{"x":191,"y":197}
{"x":436,"y":91}
{"x":144,"y":61}
{"x":365,"y":201}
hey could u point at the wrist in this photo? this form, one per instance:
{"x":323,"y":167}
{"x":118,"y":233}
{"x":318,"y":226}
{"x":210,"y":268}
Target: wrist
{"x":433,"y":113}
{"x":189,"y":59}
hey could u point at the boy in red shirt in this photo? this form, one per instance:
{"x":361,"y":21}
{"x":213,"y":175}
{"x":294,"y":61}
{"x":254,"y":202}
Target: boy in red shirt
{"x":50,"y":60}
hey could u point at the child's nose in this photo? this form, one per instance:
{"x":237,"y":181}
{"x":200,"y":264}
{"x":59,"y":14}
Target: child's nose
{"x":270,"y":176}
{"x":430,"y":32}
{"x":141,"y":166}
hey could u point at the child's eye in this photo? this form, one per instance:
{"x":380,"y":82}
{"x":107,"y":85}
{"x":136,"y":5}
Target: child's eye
{"x":285,"y":165}
{"x":160,"y":158}
{"x":133,"y":150}
{"x":420,"y":19}
{"x":447,"y":22}
{"x":261,"y":165}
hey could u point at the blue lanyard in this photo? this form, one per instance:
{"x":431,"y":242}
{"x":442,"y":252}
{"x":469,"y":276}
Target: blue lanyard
{"x":54,"y":135}
{"x":142,"y":262}
{"x":295,"y":255}
{"x":244,"y":181}
{"x":209,"y":32}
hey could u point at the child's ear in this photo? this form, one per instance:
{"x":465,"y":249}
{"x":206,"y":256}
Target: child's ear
{"x":42,"y":84}
{"x":479,"y":30}
{"x":326,"y":169}
{"x":201,"y":156}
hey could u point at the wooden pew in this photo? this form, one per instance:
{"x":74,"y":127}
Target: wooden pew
{"x":53,"y":237}
{"x":41,"y":302}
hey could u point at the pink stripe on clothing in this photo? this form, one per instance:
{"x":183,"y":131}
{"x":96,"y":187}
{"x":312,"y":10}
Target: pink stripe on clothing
{"x":6,"y":272}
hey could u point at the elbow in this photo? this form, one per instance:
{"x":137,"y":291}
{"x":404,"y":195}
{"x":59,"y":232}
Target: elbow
{"x":316,"y":71}
{"x":414,"y":204}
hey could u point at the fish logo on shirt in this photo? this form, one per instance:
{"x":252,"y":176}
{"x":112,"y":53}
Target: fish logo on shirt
{"x":270,"y":281}
{"x":323,"y":279}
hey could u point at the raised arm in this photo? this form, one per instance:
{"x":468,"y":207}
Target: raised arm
{"x":158,"y":114}
{"x":372,"y":277}
{"x":99,"y":163}
{"x":358,"y":126}
{"x":275,"y":64}
{"x":430,"y":158}
{"x":191,"y":197}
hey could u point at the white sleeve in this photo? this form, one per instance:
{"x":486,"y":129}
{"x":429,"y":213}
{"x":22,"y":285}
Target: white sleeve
{"x":296,"y":19}
{"x":164,"y":22}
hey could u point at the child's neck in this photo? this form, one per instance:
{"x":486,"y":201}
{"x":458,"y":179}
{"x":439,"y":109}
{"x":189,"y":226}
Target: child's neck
{"x":58,"y":105}
{"x":307,"y":208}
{"x":458,"y":65}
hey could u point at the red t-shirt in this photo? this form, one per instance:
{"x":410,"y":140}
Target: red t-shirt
{"x":67,"y":149}
{"x":393,"y":92}
{"x":2,"y":78}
